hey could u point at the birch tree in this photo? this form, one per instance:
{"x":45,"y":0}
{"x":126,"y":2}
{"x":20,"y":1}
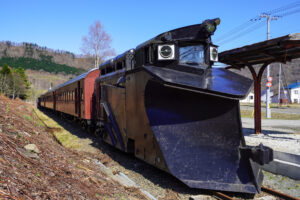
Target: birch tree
{"x":97,"y":43}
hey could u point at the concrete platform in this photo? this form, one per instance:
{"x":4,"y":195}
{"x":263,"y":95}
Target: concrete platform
{"x":283,"y":136}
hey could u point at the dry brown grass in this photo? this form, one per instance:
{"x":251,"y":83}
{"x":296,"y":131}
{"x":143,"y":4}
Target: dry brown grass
{"x":249,"y":114}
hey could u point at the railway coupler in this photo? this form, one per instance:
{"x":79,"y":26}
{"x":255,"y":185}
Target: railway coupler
{"x":260,"y":154}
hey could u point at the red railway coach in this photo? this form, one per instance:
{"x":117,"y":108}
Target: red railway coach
{"x":73,"y":97}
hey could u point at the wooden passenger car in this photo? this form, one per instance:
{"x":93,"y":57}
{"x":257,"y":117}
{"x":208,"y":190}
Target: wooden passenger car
{"x":47,"y":100}
{"x":73,"y":97}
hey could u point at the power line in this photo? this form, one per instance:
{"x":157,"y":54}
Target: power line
{"x":290,"y":13}
{"x":246,"y":31}
{"x":236,"y":32}
{"x":283,"y":8}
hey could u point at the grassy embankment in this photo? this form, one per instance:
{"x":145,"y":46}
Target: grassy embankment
{"x":62,"y":135}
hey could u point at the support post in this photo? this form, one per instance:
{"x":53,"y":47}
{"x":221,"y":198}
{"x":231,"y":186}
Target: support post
{"x":279,"y":82}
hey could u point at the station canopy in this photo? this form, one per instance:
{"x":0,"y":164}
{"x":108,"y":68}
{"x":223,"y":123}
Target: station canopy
{"x":281,"y":49}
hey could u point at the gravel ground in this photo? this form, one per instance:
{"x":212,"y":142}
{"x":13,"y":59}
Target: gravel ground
{"x":281,"y":135}
{"x":282,"y":183}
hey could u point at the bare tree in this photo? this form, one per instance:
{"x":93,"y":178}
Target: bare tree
{"x":97,"y":43}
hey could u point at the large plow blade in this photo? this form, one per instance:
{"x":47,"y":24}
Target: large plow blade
{"x":200,"y":137}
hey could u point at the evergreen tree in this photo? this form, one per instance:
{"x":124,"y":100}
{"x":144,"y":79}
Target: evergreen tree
{"x":5,"y":73}
{"x":14,"y":82}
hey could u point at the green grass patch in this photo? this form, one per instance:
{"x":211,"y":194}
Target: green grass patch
{"x":28,"y":118}
{"x":66,"y":138}
{"x":249,"y":114}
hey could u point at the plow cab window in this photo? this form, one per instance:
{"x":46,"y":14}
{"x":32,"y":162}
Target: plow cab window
{"x":191,"y":55}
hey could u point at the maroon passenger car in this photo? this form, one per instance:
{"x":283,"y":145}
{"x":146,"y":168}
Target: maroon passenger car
{"x":73,"y":97}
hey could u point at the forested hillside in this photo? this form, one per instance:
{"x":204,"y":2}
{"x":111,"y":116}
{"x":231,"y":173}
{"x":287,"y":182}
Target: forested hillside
{"x":44,"y":63}
{"x":35,"y":57}
{"x":44,"y":67}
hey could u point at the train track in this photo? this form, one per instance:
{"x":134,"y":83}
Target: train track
{"x":278,"y":194}
{"x":275,"y":193}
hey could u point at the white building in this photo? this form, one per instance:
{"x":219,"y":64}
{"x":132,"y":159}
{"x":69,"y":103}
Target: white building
{"x":295,"y":92}
{"x":249,"y":98}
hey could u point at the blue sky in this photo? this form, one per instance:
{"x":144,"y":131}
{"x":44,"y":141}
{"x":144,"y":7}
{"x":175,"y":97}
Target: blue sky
{"x":59,"y":24}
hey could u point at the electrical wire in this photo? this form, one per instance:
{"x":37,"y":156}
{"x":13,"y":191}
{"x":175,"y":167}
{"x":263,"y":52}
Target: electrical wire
{"x":234,"y":33}
{"x":247,"y":31}
{"x":290,"y":13}
{"x":234,"y":30}
{"x":283,"y":8}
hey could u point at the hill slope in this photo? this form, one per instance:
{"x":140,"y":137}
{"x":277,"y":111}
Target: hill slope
{"x":47,"y":170}
{"x":35,"y":52}
{"x":40,"y":64}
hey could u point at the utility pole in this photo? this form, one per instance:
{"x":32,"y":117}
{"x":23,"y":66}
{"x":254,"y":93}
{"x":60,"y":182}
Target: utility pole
{"x":269,"y":18}
{"x":279,"y":82}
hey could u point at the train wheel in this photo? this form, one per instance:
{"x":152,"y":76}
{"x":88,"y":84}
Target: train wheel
{"x":91,"y":129}
{"x":99,"y":132}
{"x":83,"y":125}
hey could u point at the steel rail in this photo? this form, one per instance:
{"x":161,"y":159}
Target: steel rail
{"x":278,"y":194}
{"x":223,"y":196}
